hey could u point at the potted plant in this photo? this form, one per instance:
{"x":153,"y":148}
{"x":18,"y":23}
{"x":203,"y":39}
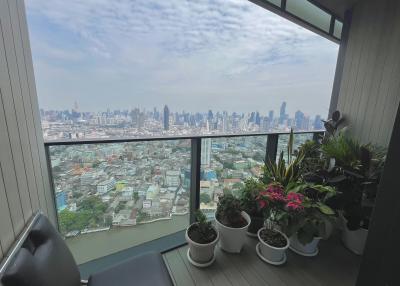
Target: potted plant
{"x":232,"y":223}
{"x":273,"y":243}
{"x":306,"y":216}
{"x":248,"y":200}
{"x":202,"y":237}
{"x":358,"y":168}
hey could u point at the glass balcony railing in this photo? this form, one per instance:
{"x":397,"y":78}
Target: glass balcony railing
{"x":115,"y":194}
{"x":225,"y":164}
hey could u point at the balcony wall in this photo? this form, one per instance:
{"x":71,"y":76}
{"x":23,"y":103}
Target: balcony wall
{"x":369,"y":90}
{"x":24,"y":179}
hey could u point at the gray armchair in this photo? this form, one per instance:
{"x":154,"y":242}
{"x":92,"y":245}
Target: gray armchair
{"x":45,"y":260}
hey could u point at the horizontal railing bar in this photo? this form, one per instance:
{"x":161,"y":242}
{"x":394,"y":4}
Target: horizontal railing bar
{"x":166,"y":138}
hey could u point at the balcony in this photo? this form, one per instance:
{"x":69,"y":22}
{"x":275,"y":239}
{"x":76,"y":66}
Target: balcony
{"x":118,"y":194}
{"x":115,"y":198}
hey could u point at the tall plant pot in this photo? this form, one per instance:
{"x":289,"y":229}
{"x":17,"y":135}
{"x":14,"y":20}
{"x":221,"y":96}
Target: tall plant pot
{"x":232,"y":239}
{"x":201,"y":255}
{"x":309,"y":249}
{"x":255,"y":225}
{"x":271,"y":254}
{"x":354,"y":240}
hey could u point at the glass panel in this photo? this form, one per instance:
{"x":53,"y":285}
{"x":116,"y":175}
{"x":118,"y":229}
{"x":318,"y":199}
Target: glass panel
{"x":114,"y":196}
{"x":275,"y":2}
{"x":225,"y":164}
{"x":299,"y":139}
{"x":309,"y":13}
{"x":337,"y":32}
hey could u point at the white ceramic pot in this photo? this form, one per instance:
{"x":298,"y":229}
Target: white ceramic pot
{"x":232,"y":239}
{"x":271,"y":253}
{"x":309,"y":249}
{"x":354,"y":240}
{"x":201,"y":254}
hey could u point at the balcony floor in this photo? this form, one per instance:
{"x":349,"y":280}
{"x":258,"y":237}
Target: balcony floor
{"x":334,"y":265}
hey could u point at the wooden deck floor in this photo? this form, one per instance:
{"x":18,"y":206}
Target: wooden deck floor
{"x":334,"y":266}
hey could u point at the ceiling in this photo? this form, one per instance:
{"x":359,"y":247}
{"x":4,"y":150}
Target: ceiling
{"x":338,"y":7}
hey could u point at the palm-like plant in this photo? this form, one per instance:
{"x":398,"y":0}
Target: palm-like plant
{"x":281,"y":171}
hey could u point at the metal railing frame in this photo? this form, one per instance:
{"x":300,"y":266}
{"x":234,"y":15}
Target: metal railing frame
{"x":271,"y":153}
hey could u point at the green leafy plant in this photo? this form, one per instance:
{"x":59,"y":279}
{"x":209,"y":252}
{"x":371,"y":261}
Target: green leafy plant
{"x":357,"y":172}
{"x":248,"y":196}
{"x":310,"y":221}
{"x":202,"y":232}
{"x":299,"y":208}
{"x":229,"y":211}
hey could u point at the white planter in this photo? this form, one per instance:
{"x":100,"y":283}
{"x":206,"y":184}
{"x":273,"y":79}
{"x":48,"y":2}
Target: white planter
{"x":354,"y":240}
{"x":309,"y":249}
{"x":232,"y":239}
{"x":201,"y":255}
{"x":272,"y":254}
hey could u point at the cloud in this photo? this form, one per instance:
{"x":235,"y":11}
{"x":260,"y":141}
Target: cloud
{"x":179,"y":48}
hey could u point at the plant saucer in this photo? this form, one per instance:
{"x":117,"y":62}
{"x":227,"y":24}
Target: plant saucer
{"x":268,"y":261}
{"x":299,"y":252}
{"x":197,"y":264}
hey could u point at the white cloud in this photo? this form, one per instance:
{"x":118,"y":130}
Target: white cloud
{"x":184,"y":46}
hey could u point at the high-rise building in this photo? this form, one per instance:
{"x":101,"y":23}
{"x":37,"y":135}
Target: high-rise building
{"x":206,"y":152}
{"x":282,"y":113}
{"x":166,"y":117}
{"x":299,"y":120}
{"x":318,"y":125}
{"x":271,"y":116}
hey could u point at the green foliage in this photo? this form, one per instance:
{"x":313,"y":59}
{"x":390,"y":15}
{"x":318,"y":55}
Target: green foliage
{"x":310,"y":222}
{"x":229,"y":211}
{"x":205,"y":231}
{"x":249,"y":194}
{"x":205,"y":198}
{"x":135,"y":197}
{"x":283,"y":172}
{"x":90,"y":214}
{"x":345,"y":150}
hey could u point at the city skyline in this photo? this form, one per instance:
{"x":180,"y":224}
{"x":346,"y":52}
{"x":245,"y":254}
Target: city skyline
{"x":139,"y":53}
{"x":76,"y":124}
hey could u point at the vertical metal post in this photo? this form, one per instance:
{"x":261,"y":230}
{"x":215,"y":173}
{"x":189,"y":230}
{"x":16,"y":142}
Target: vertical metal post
{"x":272,"y":147}
{"x":52,"y":188}
{"x":283,"y":5}
{"x":195,"y":177}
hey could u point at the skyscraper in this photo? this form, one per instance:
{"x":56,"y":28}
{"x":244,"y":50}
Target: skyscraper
{"x":282,"y":113}
{"x":299,"y":120}
{"x":271,"y":116}
{"x":318,"y":125}
{"x":166,"y":117}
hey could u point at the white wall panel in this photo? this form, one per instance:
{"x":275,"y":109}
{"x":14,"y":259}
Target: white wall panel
{"x":24,"y":179}
{"x":370,"y":86}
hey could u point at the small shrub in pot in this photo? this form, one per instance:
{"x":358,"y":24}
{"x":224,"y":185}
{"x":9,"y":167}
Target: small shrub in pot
{"x":202,"y":238}
{"x":232,"y":223}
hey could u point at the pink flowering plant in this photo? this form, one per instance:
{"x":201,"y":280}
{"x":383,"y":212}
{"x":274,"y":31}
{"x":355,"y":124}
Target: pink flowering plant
{"x":297,"y":209}
{"x":277,"y":204}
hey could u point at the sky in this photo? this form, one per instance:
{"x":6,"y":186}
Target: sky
{"x":191,"y":55}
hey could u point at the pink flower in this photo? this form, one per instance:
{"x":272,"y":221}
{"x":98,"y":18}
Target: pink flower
{"x":295,"y":197}
{"x":262,"y":204}
{"x":294,"y":206}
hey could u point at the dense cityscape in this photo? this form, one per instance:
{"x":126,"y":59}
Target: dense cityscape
{"x":106,"y":187}
{"x":144,"y":123}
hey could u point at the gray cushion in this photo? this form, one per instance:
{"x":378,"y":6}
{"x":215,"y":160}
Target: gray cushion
{"x":43,"y":260}
{"x":147,"y":269}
